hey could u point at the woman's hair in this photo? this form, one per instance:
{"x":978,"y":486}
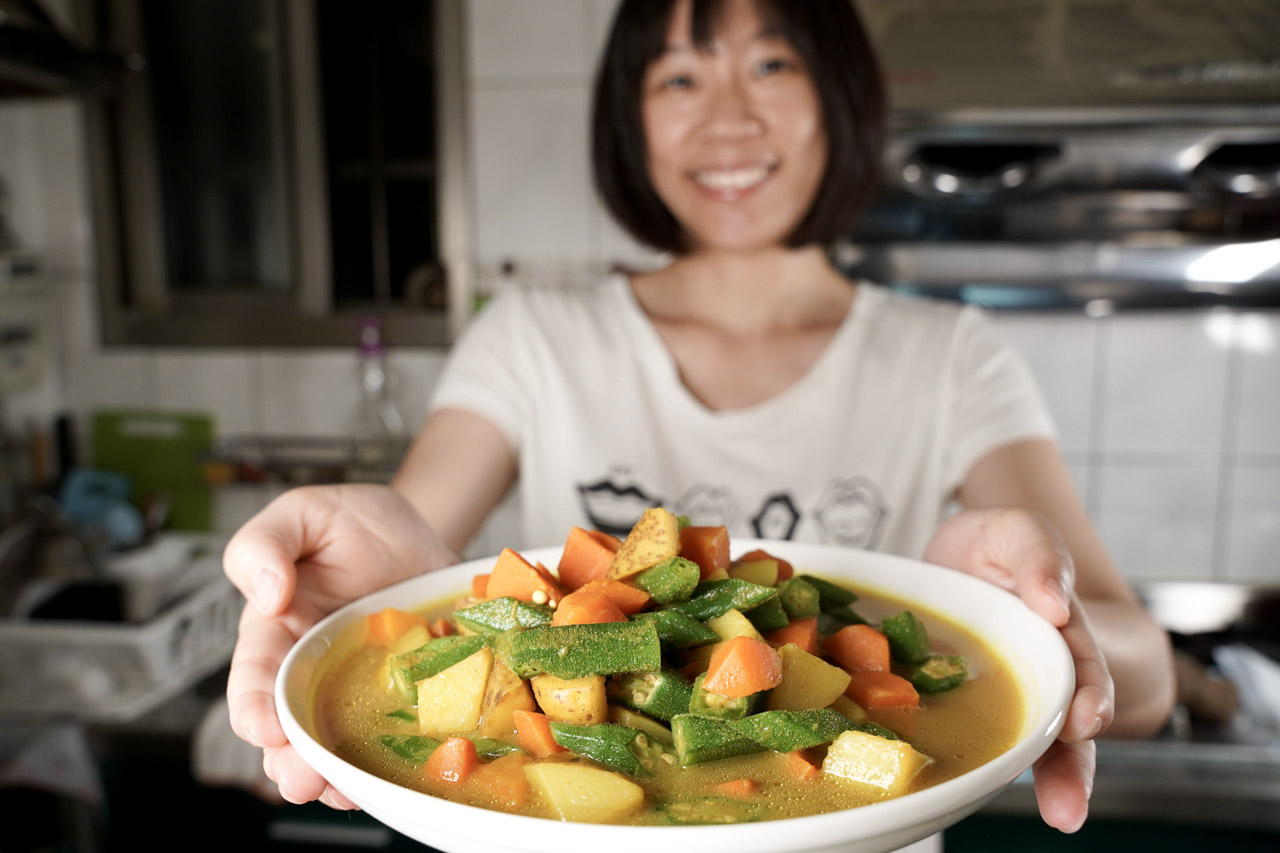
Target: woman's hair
{"x":827,"y":34}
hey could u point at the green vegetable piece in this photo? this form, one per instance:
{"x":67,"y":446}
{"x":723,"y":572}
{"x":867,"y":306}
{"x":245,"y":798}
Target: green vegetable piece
{"x":699,"y":739}
{"x":576,"y":651}
{"x":408,"y":668}
{"x":487,"y":747}
{"x":830,"y":595}
{"x":417,"y":748}
{"x":404,"y":714}
{"x":939,"y":673}
{"x":710,"y":704}
{"x":616,"y":747}
{"x":769,"y":616}
{"x":787,"y":731}
{"x":877,"y":730}
{"x":799,"y":598}
{"x":676,"y":630}
{"x":671,"y":580}
{"x":495,"y":615}
{"x":715,"y":598}
{"x":683,"y":521}
{"x":661,"y":695}
{"x":830,"y":621}
{"x":708,"y":810}
{"x":908,"y":640}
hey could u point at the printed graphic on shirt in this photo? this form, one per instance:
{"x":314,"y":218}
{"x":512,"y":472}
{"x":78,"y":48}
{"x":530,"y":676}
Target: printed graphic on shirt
{"x":614,"y":503}
{"x":710,"y":506}
{"x":777,"y":518}
{"x":851,"y":512}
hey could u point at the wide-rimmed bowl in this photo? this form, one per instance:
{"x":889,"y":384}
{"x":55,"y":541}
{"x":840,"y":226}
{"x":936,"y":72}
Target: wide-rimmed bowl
{"x":1032,"y":648}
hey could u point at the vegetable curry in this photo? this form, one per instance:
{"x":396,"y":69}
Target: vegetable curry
{"x":655,"y":680}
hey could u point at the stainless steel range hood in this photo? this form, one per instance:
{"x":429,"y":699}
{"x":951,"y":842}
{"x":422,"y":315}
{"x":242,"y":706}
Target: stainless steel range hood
{"x":1059,"y":152}
{"x":38,"y":58}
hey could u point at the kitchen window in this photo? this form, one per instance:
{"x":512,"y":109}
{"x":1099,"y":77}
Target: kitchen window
{"x":269,"y":171}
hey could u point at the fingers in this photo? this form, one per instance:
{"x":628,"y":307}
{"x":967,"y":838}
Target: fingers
{"x":297,"y":781}
{"x":262,"y":645}
{"x":1064,"y":782}
{"x":1094,"y":703}
{"x":261,"y":557}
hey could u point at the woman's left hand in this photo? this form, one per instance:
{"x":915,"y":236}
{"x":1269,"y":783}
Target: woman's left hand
{"x":1021,"y":552}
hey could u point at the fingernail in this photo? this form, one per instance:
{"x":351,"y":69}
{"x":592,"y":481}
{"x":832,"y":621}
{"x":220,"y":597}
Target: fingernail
{"x":1057,"y":591}
{"x":266,"y":589}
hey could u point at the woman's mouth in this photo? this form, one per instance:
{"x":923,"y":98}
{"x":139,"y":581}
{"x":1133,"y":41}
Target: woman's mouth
{"x":731,"y":180}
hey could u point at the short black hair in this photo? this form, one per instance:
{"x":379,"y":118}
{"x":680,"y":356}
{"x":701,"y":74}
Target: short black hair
{"x":830,"y":37}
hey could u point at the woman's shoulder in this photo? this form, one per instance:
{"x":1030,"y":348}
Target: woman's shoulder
{"x":557,"y":302}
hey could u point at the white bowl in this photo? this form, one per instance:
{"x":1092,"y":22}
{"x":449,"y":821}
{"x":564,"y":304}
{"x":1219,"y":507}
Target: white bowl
{"x":1033,"y":648}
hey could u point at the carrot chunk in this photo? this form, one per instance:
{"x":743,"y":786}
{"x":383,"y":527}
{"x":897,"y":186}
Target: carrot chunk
{"x":442,"y":627}
{"x":502,"y":781}
{"x":801,"y":767}
{"x":587,"y":556}
{"x":785,"y":569}
{"x":452,"y":762}
{"x":802,"y":632}
{"x":876,"y":690}
{"x":533,"y":733}
{"x":480,"y":586}
{"x":513,"y":576}
{"x":741,"y":666}
{"x":388,"y":624}
{"x":706,"y":546}
{"x":740,"y":788}
{"x":859,"y":648}
{"x":585,"y":607}
{"x":629,"y":598}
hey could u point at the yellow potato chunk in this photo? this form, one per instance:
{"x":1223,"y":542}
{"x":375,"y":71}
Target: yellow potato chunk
{"x":807,"y":681}
{"x":582,"y":701}
{"x":584,"y":793}
{"x":654,"y":538}
{"x":450,"y":701}
{"x":889,"y":765}
{"x":505,"y":694}
{"x":763,"y":572}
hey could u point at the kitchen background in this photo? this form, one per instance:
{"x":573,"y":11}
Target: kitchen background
{"x":1169,"y":415}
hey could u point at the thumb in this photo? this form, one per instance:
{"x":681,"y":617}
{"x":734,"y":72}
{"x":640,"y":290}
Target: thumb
{"x":261,"y":560}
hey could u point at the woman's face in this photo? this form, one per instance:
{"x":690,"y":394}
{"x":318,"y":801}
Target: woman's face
{"x":736,"y":143}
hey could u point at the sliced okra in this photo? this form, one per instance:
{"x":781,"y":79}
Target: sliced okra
{"x":708,"y":810}
{"x":769,"y":616}
{"x":876,"y":729}
{"x":710,"y":704}
{"x":676,"y":630}
{"x":699,"y":739}
{"x":662,"y":694}
{"x":939,"y":673}
{"x":799,"y":598}
{"x":787,"y":731}
{"x":715,"y":598}
{"x":830,"y":595}
{"x":616,"y":747}
{"x":576,"y":651}
{"x":495,"y":615}
{"x":408,"y":668}
{"x":673,"y":579}
{"x":908,"y":640}
{"x":416,"y":748}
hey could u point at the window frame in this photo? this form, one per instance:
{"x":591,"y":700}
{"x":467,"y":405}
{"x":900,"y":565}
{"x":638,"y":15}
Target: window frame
{"x":129,"y":238}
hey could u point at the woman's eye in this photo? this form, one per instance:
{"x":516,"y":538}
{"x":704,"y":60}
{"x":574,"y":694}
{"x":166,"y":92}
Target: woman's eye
{"x":772,"y":66}
{"x":677,"y":81}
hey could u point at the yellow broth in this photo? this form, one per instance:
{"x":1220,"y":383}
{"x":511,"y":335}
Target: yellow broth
{"x":959,"y":729}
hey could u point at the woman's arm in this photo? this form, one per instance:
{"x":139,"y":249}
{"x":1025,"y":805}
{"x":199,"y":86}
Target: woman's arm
{"x":1031,"y":475}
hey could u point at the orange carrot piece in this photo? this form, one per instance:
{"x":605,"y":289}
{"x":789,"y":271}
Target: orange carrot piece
{"x":876,"y":690}
{"x":388,"y":624}
{"x":802,"y":632}
{"x":741,"y":666}
{"x":740,"y":788}
{"x":858,"y":648}
{"x":452,"y":762}
{"x":800,"y":767}
{"x":706,"y":546}
{"x":480,"y":586}
{"x":515,"y":577}
{"x":533,"y":734}
{"x":502,"y":781}
{"x":785,"y":569}
{"x":585,"y":607}
{"x":587,"y":556}
{"x":629,"y":598}
{"x":442,"y":627}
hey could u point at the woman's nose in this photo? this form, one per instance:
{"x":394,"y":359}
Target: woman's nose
{"x":731,"y":112}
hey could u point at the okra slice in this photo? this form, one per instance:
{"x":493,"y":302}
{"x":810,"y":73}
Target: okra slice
{"x":677,"y":630}
{"x":404,"y":715}
{"x":671,"y":580}
{"x":662,"y":694}
{"x":487,"y":747}
{"x":576,"y":651}
{"x":408,"y":668}
{"x":876,"y":729}
{"x":787,"y":731}
{"x":830,"y":595}
{"x":830,"y":621}
{"x":939,"y":673}
{"x":769,"y":616}
{"x":715,"y":598}
{"x":699,"y":739}
{"x":616,"y":747}
{"x":705,"y":810}
{"x":416,"y":748}
{"x":908,"y":640}
{"x":710,"y":704}
{"x":799,"y":598}
{"x":496,"y":615}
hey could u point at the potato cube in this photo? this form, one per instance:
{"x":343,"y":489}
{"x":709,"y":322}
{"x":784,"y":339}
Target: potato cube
{"x":807,"y":681}
{"x":763,"y":572}
{"x":582,"y":701}
{"x":450,"y":701}
{"x":505,"y":694}
{"x":580,"y":792}
{"x":654,"y":538}
{"x":889,"y":765}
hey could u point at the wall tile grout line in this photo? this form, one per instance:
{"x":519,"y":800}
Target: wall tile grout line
{"x":1220,"y":569}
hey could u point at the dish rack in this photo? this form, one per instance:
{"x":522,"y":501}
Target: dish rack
{"x":115,"y":672}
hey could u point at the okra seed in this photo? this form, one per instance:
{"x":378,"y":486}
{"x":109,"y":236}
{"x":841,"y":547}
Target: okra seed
{"x":642,"y":741}
{"x":562,"y":651}
{"x":539,"y":596}
{"x":637,"y":696}
{"x":669,"y":758}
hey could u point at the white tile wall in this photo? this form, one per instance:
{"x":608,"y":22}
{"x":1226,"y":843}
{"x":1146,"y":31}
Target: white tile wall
{"x":1170,"y":420}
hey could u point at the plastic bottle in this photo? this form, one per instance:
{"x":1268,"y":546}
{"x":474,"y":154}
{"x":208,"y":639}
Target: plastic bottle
{"x":380,"y":434}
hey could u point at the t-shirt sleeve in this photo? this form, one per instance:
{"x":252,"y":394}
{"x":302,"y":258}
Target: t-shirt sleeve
{"x":996,"y":399}
{"x":481,"y":375}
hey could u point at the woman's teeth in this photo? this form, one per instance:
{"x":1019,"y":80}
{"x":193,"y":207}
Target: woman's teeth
{"x":731,"y":179}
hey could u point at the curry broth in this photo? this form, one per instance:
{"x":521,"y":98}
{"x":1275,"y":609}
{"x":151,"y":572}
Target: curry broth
{"x":959,"y":729}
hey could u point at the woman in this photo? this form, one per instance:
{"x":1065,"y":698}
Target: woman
{"x":746,"y":383}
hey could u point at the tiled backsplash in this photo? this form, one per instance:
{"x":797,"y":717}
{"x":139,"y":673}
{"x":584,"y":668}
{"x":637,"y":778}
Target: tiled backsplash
{"x":1170,"y":421}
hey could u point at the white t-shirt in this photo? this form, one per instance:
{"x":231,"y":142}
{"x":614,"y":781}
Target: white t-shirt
{"x":865,"y":450}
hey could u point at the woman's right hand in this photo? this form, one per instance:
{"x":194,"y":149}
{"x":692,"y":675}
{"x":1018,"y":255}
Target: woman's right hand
{"x":306,"y":554}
